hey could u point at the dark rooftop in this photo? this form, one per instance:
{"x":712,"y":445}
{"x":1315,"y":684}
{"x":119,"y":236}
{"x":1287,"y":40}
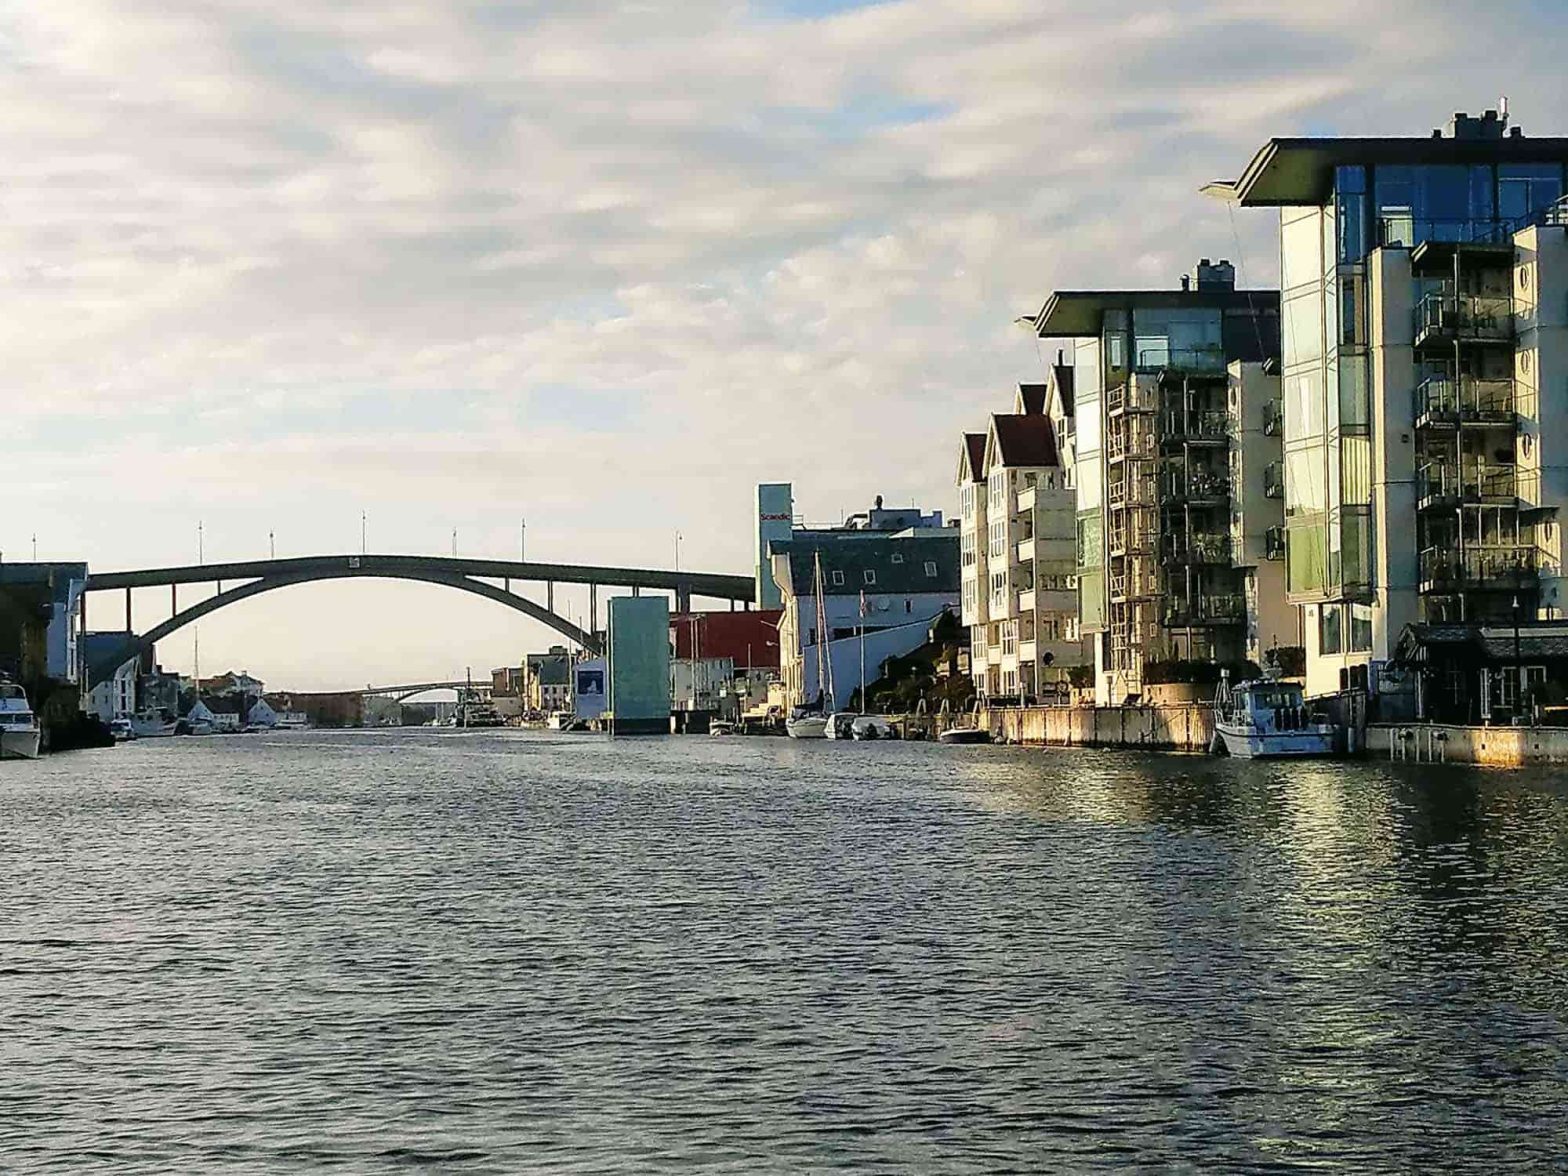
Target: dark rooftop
{"x":1024,"y":440}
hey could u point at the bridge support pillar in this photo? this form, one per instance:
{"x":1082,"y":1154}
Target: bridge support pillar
{"x":683,"y":599}
{"x":129,"y":628}
{"x":593,"y":608}
{"x":549,"y":595}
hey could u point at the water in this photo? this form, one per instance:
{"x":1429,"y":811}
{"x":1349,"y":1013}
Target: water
{"x":502,"y":952}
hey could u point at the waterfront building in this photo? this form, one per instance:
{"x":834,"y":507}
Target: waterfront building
{"x":1425,"y":365}
{"x":115,"y":698}
{"x":589,"y":689}
{"x":506,"y":691}
{"x":638,"y":654}
{"x":1017,"y":535}
{"x":889,"y":586}
{"x":547,"y":681}
{"x":1173,"y":442}
{"x":41,"y":620}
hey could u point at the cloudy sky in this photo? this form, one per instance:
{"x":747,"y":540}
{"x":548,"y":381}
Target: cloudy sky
{"x":271,"y":263}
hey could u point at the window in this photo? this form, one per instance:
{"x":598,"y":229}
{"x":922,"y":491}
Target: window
{"x":1361,"y":628}
{"x":838,"y":579}
{"x":930,"y":569}
{"x":870,"y":576}
{"x":1329,"y":630}
{"x":898,"y":557}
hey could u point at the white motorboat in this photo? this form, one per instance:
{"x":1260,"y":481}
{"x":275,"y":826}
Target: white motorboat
{"x":20,"y":733}
{"x":122,"y":731}
{"x":841,"y":725}
{"x":566,"y":721}
{"x":721,"y":727}
{"x":866,"y":727}
{"x":804,"y":724}
{"x":1269,"y":720}
{"x":151,"y":724}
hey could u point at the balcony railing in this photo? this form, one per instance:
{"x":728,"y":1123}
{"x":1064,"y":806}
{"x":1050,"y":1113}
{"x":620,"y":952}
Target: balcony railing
{"x":1464,"y":316}
{"x":1196,"y":484}
{"x":1443,"y":401}
{"x":1205,"y":610}
{"x":1274,"y":480}
{"x":1496,"y":568}
{"x":1205,"y":425}
{"x":1130,"y":490}
{"x":1442,"y":483}
{"x":1127,"y":540}
{"x":1130,"y":442}
{"x":1199,"y":549}
{"x":1202,"y":358}
{"x":1134,"y":396}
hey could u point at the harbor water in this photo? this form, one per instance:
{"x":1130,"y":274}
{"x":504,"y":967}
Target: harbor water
{"x":506,"y":952}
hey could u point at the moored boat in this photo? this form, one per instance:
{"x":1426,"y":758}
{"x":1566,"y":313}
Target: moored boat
{"x":20,"y":734}
{"x":806,"y":724}
{"x":1269,"y":720}
{"x":868,"y":727}
{"x":964,"y":735}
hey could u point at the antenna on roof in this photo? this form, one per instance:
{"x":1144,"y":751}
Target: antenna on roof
{"x":1502,"y":109}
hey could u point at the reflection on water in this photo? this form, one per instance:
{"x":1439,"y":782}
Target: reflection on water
{"x":495,"y":952}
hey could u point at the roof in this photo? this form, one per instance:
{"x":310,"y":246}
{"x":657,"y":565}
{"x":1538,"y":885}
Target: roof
{"x":1301,"y":171}
{"x":1062,"y":376}
{"x":1494,"y":643}
{"x":1024,"y":440}
{"x":1032,"y":397}
{"x":972,"y":464}
{"x":898,"y":565}
{"x":1077,"y":314}
{"x":550,"y":669}
{"x":98,"y":646}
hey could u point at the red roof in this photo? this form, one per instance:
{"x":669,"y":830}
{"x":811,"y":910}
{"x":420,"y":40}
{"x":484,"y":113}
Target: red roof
{"x":1024,"y":440}
{"x":974,"y":445}
{"x":748,"y":638}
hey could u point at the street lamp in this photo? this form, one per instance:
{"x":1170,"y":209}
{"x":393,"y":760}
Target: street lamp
{"x":1518,"y":667}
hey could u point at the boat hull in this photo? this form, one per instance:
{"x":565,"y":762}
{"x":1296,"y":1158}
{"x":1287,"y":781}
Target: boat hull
{"x":809,"y":727}
{"x":19,"y":745}
{"x":1245,"y":743}
{"x":961,"y":735}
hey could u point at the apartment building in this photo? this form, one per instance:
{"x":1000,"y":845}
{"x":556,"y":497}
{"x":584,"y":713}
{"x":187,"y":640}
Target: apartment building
{"x":1425,"y":369}
{"x":1174,"y":442}
{"x":1018,"y":550}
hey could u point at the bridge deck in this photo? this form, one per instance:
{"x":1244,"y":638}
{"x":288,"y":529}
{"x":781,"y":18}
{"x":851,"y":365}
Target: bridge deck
{"x":716,"y":586}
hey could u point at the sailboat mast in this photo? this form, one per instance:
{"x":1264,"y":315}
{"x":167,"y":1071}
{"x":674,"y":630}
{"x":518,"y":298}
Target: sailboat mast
{"x":824,"y":654}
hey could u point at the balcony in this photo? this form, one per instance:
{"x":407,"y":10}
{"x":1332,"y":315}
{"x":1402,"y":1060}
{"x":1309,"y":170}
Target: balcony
{"x":1130,"y":442}
{"x":1465,"y":318}
{"x":1445,"y":403}
{"x":1196,"y":486}
{"x":1203,"y":359}
{"x":1484,"y":569}
{"x":1274,"y":543}
{"x":1130,"y":490}
{"x":1199,"y":550}
{"x":1207,"y":427}
{"x":1134,"y":396}
{"x":1131,"y":539}
{"x":1024,"y":552}
{"x":1441,"y":485}
{"x":1273,"y":419}
{"x":1203,"y":610}
{"x":1027,"y":497}
{"x":1138,"y":582}
{"x":1274,"y":480}
{"x":1025,"y":603}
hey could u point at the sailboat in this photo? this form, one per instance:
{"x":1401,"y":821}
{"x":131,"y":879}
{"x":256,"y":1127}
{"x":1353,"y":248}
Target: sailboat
{"x":811,"y":722}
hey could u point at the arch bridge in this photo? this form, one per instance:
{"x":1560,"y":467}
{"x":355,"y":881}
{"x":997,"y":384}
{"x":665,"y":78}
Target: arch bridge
{"x":476,"y":576}
{"x":415,"y":689}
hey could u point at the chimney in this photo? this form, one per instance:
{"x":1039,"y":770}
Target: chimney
{"x":1490,"y":125}
{"x":1213,"y":276}
{"x":1186,"y":282}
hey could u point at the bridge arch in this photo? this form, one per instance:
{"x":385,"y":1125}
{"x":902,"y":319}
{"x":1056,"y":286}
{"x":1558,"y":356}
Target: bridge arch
{"x":103,"y":670}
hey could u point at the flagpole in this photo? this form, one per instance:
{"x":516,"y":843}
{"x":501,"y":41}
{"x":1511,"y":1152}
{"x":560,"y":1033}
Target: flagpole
{"x":862,"y":651}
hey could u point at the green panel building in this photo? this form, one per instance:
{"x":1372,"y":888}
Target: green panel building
{"x":639,"y":664}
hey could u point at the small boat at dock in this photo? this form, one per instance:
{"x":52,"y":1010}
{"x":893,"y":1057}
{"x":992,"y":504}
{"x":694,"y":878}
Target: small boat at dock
{"x":1268,"y":719}
{"x":20,"y":734}
{"x":960,"y":735}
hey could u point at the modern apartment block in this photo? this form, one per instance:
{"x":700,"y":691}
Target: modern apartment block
{"x":1175,"y":454}
{"x":1425,"y":368}
{"x":1018,"y":548}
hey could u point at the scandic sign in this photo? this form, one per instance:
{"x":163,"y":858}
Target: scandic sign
{"x":774,"y":518}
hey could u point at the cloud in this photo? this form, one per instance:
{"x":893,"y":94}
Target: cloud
{"x":607,"y":264}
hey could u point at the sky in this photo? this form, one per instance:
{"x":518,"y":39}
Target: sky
{"x":270,"y":264}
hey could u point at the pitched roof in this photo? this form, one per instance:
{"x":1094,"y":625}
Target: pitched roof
{"x":1062,"y":377}
{"x":1024,"y":440}
{"x":898,"y":565}
{"x":1031,"y":398}
{"x":973,"y":461}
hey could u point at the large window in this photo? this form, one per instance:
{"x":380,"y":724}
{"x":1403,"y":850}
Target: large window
{"x":1330,"y":638}
{"x":1188,"y":338}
